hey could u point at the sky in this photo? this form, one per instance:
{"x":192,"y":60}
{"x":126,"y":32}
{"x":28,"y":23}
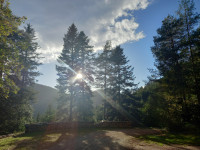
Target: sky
{"x":129,"y":23}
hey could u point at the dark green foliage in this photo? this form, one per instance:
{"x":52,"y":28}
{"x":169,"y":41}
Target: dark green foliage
{"x":14,"y":114}
{"x":132,"y":104}
{"x":121,"y":79}
{"x":190,"y":20}
{"x":154,"y":106}
{"x":176,"y":52}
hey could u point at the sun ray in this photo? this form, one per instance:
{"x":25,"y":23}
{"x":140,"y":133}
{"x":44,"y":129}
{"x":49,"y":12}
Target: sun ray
{"x":107,"y":98}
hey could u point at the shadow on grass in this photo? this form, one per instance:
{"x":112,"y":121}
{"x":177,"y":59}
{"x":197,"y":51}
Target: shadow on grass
{"x":29,"y":141}
{"x":73,"y":140}
{"x":174,"y":138}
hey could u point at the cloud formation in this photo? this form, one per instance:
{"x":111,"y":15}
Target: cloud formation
{"x":101,"y":20}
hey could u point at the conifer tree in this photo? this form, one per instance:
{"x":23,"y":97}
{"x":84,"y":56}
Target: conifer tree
{"x":29,"y":57}
{"x":189,"y":20}
{"x":169,"y":57}
{"x":68,"y":63}
{"x":86,"y":69}
{"x":102,"y":72}
{"x":121,"y":79}
{"x":76,"y":58}
{"x":176,"y":53}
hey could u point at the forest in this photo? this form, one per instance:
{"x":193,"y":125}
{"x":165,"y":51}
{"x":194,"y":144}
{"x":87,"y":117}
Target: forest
{"x":170,"y":98}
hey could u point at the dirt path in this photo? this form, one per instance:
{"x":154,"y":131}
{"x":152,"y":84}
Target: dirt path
{"x":123,"y":139}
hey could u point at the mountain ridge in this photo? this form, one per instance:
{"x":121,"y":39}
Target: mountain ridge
{"x":46,"y":95}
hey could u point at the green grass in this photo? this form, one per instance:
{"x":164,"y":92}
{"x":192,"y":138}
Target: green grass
{"x":32,"y":141}
{"x":12,"y":142}
{"x":173,"y":138}
{"x":27,"y":141}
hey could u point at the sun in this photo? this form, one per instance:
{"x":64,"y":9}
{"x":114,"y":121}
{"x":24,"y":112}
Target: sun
{"x":79,"y":76}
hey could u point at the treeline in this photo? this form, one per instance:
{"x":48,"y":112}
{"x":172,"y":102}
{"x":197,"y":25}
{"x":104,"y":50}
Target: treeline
{"x":18,"y":69}
{"x":170,"y":98}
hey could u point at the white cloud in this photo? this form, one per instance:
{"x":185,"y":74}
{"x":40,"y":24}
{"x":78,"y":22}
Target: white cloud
{"x":49,"y":51}
{"x":101,"y":20}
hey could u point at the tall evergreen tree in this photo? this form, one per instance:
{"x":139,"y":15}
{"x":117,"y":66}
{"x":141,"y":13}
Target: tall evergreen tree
{"x":86,"y":69}
{"x":189,"y":20}
{"x":170,"y":62}
{"x":103,"y":71}
{"x":29,"y":57}
{"x":67,"y":58}
{"x":76,"y":57}
{"x":121,"y":80}
{"x":176,"y":55}
{"x":169,"y":57}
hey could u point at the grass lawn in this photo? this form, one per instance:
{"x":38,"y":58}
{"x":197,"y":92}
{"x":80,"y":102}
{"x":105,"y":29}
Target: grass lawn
{"x":173,"y":138}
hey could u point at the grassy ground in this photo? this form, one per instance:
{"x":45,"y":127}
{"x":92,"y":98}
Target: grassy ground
{"x":11,"y":142}
{"x":32,"y":140}
{"x":87,"y":138}
{"x":173,"y":138}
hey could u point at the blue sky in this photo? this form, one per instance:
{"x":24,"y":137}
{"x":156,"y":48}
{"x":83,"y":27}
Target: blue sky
{"x":100,"y":21}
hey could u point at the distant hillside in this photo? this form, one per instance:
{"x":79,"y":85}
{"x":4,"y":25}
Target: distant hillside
{"x":45,"y":96}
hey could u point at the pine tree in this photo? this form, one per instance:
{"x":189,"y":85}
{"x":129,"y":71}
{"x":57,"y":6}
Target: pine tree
{"x":68,"y":57}
{"x":76,"y":58}
{"x":189,"y":20}
{"x":86,"y":68}
{"x":196,"y":40}
{"x":29,"y":57}
{"x":121,"y":80}
{"x":176,"y":54}
{"x":102,"y":72}
{"x":170,"y":59}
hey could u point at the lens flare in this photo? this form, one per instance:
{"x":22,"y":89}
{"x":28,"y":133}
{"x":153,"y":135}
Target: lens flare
{"x":79,"y":76}
{"x":115,"y":105}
